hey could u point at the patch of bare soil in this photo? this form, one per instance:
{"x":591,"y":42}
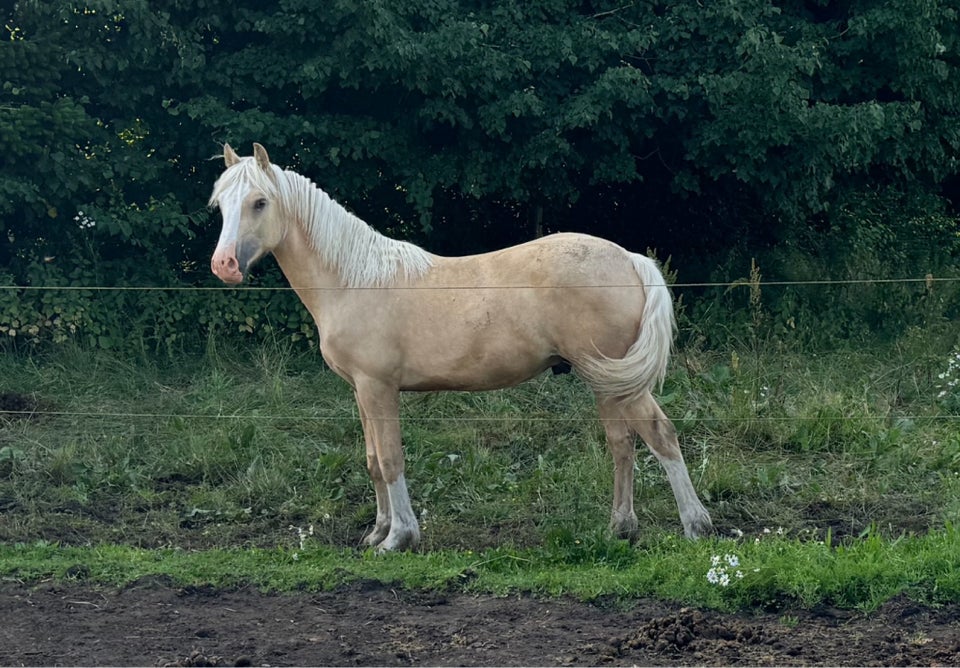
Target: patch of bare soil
{"x":152,"y":623}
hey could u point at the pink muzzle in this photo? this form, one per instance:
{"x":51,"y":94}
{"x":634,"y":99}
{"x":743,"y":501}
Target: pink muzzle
{"x":225,"y":266}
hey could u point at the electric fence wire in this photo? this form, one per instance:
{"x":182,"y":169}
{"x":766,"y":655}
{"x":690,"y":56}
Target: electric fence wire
{"x":929,"y":281}
{"x":30,"y":414}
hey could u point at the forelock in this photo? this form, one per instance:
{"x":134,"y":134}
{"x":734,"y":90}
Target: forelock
{"x":239,"y":179}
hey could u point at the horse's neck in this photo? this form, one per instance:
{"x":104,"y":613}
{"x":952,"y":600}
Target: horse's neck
{"x":312,"y":250}
{"x":343,"y":244}
{"x":301,"y":264}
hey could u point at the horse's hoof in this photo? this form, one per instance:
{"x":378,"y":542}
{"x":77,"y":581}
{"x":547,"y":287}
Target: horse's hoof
{"x":377,"y":536}
{"x":698,"y":527}
{"x":626,"y":528}
{"x":399,"y":542}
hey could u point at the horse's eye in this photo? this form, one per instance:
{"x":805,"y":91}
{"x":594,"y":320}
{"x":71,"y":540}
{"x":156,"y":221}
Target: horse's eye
{"x":260,"y":204}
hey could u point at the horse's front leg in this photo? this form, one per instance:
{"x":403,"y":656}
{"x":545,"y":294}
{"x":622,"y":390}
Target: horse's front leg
{"x":380,"y":413}
{"x":382,"y":526}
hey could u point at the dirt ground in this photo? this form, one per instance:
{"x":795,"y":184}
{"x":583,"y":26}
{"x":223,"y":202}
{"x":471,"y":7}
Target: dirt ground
{"x":153,"y":623}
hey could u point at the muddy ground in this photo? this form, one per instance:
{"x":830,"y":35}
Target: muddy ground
{"x":153,"y":623}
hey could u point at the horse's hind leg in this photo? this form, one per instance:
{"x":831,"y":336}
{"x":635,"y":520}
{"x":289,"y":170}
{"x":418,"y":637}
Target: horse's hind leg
{"x":645,"y":417}
{"x":623,"y":520}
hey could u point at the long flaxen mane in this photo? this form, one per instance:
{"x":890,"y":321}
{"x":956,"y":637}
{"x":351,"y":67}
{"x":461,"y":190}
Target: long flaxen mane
{"x":362,"y":257}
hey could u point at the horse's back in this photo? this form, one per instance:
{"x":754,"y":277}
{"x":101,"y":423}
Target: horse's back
{"x":564,"y":259}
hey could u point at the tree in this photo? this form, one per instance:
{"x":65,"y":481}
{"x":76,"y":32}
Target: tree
{"x":711,"y":131}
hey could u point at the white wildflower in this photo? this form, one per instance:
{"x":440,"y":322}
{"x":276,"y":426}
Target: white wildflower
{"x":722,"y":568}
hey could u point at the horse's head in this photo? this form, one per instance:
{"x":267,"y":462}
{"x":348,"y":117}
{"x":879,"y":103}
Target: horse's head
{"x":247,"y":195}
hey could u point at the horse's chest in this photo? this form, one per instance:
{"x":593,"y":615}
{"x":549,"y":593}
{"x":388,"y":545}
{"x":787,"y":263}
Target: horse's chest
{"x":335,"y":365}
{"x":361,"y":351}
{"x":336,"y":355}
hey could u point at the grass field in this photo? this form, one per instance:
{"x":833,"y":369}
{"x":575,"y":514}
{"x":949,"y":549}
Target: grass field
{"x":802,"y":459}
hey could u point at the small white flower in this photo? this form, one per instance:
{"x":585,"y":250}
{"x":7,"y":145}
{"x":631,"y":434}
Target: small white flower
{"x":719,"y":573}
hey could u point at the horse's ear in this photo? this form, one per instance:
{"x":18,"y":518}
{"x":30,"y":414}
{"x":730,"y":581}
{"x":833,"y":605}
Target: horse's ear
{"x":230,"y":158}
{"x":260,"y":153}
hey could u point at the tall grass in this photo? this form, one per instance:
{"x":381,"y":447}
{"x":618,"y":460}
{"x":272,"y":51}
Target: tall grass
{"x":233,"y":447}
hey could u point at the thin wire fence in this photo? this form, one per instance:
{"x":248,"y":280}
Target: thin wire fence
{"x":929,"y":281}
{"x":449,"y":418}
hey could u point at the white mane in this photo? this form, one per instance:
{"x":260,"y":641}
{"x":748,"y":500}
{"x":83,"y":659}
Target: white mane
{"x":358,"y":253}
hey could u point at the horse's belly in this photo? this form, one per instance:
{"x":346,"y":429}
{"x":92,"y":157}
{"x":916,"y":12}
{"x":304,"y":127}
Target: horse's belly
{"x":476,"y":369}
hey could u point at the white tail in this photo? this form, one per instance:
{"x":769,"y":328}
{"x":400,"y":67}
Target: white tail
{"x":645,"y":363}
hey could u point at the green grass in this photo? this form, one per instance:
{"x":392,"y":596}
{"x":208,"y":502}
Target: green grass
{"x":772,"y":573}
{"x":232,"y":451}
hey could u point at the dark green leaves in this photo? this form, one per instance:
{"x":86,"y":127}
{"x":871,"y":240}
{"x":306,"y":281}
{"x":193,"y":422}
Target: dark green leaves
{"x":686,"y":125}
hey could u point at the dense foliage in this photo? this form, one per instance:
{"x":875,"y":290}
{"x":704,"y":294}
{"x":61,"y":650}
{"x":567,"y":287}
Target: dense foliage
{"x":819,"y":137}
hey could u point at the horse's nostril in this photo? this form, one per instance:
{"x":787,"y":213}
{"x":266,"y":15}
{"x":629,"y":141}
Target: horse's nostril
{"x":224,"y":265}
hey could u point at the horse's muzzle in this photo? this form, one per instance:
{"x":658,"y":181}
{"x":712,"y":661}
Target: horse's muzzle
{"x":226,"y":267}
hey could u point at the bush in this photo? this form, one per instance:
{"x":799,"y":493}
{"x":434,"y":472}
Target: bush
{"x":871,"y":269}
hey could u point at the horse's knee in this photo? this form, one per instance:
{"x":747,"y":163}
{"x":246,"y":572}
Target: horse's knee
{"x":390,"y":468}
{"x":373,"y":468}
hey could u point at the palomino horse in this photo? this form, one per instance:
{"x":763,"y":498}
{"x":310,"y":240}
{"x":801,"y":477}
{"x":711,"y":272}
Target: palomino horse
{"x":393,"y":317}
